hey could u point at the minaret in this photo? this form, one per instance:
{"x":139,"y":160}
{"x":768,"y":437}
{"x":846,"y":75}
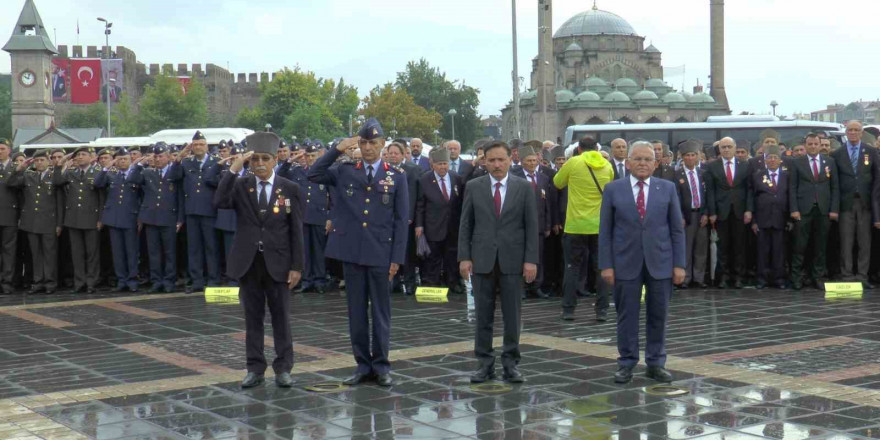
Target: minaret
{"x":716,"y":87}
{"x":31,"y":51}
{"x":546,"y":94}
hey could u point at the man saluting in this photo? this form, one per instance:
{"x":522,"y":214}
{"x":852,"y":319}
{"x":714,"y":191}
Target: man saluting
{"x":268,"y":250}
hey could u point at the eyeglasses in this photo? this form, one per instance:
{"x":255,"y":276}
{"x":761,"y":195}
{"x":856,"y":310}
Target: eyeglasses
{"x":641,"y":159}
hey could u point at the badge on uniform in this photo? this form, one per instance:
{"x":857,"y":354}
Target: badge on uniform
{"x":321,"y":187}
{"x":386,"y":198}
{"x":455,"y":189}
{"x":543,"y":193}
{"x":349,"y":192}
{"x":828,"y":172}
{"x":867,"y":162}
{"x":681,"y":181}
{"x":278,"y":202}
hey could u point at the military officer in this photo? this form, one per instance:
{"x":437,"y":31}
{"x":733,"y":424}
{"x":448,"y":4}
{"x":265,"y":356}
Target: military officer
{"x":768,"y":201}
{"x":190,"y":171}
{"x":9,"y":206}
{"x":82,"y":217}
{"x":106,"y":274}
{"x":225,"y":223}
{"x":135,"y":153}
{"x":161,"y":213}
{"x":120,"y":217}
{"x":369,"y":237}
{"x":317,"y":213}
{"x":41,"y":221}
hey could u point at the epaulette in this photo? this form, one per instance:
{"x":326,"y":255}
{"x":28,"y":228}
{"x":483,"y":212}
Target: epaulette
{"x":398,"y":168}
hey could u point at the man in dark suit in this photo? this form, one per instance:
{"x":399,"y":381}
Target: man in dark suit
{"x":407,"y":277}
{"x":369,"y":237}
{"x":417,"y":158}
{"x":268,"y":250}
{"x":82,"y":217}
{"x":855,"y":167}
{"x":728,"y":183}
{"x":768,"y":201}
{"x":545,"y":202}
{"x":691,"y":186}
{"x":458,"y":165}
{"x":120,"y":216}
{"x":554,"y":270}
{"x":814,"y":197}
{"x":641,"y":243}
{"x":498,"y":244}
{"x":9,"y":206}
{"x":663,"y":171}
{"x":619,"y":150}
{"x":438,"y":212}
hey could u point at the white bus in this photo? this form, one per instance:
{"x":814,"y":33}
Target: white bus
{"x":739,"y":128}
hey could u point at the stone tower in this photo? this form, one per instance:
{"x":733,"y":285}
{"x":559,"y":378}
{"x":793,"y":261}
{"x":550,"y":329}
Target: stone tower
{"x":546,"y":75}
{"x":31,"y":52}
{"x":716,"y":88}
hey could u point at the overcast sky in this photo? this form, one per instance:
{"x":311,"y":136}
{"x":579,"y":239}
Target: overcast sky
{"x":802,"y":53}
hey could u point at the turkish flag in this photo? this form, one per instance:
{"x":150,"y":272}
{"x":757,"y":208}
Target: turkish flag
{"x":85,"y":80}
{"x":184,"y":83}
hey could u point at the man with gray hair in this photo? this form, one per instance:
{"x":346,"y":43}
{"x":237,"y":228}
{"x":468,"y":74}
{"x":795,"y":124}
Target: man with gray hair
{"x":855,"y":168}
{"x":728,"y":185}
{"x":456,"y":164}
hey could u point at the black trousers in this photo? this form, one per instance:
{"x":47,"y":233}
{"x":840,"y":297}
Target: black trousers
{"x":771,"y":255}
{"x":24,"y":265}
{"x":408,"y":270}
{"x":257,"y":289}
{"x":202,"y":247}
{"x":161,"y":243}
{"x":84,"y":253}
{"x":107,"y":273}
{"x":511,"y":288}
{"x":8,"y":248}
{"x":812,"y":232}
{"x":554,"y":264}
{"x":539,"y":275}
{"x":444,"y":255}
{"x":45,"y":260}
{"x":315,"y":242}
{"x":577,"y":249}
{"x":731,"y":246}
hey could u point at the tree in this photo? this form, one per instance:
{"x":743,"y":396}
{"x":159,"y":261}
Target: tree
{"x":394,"y":107}
{"x":90,"y":116}
{"x":6,"y":106}
{"x":125,"y":119}
{"x":164,"y":105}
{"x":431,"y":89}
{"x":250,"y":118}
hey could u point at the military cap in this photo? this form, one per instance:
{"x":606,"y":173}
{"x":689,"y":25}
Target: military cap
{"x":81,"y":149}
{"x":198,"y":136}
{"x":868,"y":138}
{"x":41,"y":153}
{"x":5,"y":141}
{"x":236,"y":149}
{"x":536,"y":145}
{"x":231,"y":143}
{"x":106,"y":151}
{"x":312,"y":148}
{"x":282,"y":144}
{"x":121,"y":152}
{"x":557,"y":152}
{"x":769,"y":133}
{"x":525,"y":151}
{"x":439,"y":155}
{"x":371,"y":130}
{"x":264,"y":142}
{"x":160,"y":148}
{"x":318,"y":144}
{"x":16,"y":154}
{"x":546,"y":154}
{"x":134,"y":148}
{"x":690,"y":146}
{"x":772,"y":149}
{"x":515,"y":144}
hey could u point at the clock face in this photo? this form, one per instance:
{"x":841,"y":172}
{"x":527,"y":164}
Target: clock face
{"x":27,"y":78}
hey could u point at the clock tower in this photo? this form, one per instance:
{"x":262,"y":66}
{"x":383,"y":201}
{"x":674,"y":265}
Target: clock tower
{"x":31,"y":52}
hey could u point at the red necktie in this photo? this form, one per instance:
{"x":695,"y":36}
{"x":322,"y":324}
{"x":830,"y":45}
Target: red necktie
{"x":815,"y":169}
{"x":695,"y":192}
{"x":498,"y":199}
{"x":443,"y":186}
{"x":773,"y":182}
{"x":534,"y":184}
{"x":640,"y":200}
{"x":729,"y":175}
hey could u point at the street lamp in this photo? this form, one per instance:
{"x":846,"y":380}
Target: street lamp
{"x":107,"y":26}
{"x":268,"y":127}
{"x":452,"y":113}
{"x":774,"y":104}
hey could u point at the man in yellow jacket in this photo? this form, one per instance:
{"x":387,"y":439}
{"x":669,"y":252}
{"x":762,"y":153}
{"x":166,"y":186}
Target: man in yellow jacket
{"x":585,"y":175}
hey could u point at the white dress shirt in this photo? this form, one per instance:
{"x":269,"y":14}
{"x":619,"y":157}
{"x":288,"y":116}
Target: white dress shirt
{"x":443,"y":182}
{"x":502,"y":189}
{"x":635,"y":188}
{"x":271,"y":183}
{"x":696,"y":175}
{"x":618,"y":165}
{"x":732,"y":163}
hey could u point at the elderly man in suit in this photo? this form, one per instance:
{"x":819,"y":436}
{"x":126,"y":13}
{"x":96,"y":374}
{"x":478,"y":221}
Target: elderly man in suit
{"x":619,"y":150}
{"x":545,"y":202}
{"x":641,"y":243}
{"x":498,"y":244}
{"x":663,"y":171}
{"x":397,"y":152}
{"x":768,"y":201}
{"x":855,"y":168}
{"x":268,"y":249}
{"x":458,"y":165}
{"x":691,"y":185}
{"x":728,"y":184}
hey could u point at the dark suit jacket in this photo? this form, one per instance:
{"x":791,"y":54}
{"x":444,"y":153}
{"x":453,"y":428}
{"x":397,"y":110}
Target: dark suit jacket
{"x":9,"y":204}
{"x":439,"y":217}
{"x":626,"y":243}
{"x":722,"y":197}
{"x":664,"y":172}
{"x":769,"y":204}
{"x":281,"y":232}
{"x":545,"y":198}
{"x":412,"y":172}
{"x":424,"y":163}
{"x":616,"y":173}
{"x":511,"y":240}
{"x":805,"y":190}
{"x":683,"y":186}
{"x":859,"y":181}
{"x":465,"y":168}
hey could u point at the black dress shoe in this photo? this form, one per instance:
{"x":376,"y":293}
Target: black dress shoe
{"x":623,"y":375}
{"x":867,"y":285}
{"x":601,"y":316}
{"x":251,"y":380}
{"x":681,"y":286}
{"x":50,"y":291}
{"x":512,"y":375}
{"x":659,"y":374}
{"x":760,"y":285}
{"x":723,"y":285}
{"x":483,"y":374}
{"x":568,"y":315}
{"x":356,"y":379}
{"x":702,"y":286}
{"x":737,"y":284}
{"x":36,"y":289}
{"x":797,"y":285}
{"x":91,"y":290}
{"x":283,"y":380}
{"x":384,"y":380}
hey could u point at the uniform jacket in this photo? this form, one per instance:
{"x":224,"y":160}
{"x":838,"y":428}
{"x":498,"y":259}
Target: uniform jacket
{"x":663,"y":171}
{"x":278,"y":231}
{"x":511,"y":239}
{"x":804,"y":190}
{"x":683,"y":185}
{"x":439,"y":217}
{"x":122,"y":199}
{"x":723,"y":198}
{"x":545,"y":198}
{"x":855,"y":182}
{"x":161,"y":202}
{"x":626,"y":243}
{"x":84,"y":203}
{"x":769,"y":203}
{"x":370,"y":220}
{"x":198,"y":193}
{"x":9,"y":196}
{"x":42,"y":209}
{"x":226,"y":219}
{"x":316,"y":195}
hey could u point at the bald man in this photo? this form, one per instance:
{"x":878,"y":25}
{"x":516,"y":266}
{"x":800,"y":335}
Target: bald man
{"x":728,"y":186}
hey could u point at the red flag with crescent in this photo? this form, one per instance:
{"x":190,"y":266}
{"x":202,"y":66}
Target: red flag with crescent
{"x":85,"y":80}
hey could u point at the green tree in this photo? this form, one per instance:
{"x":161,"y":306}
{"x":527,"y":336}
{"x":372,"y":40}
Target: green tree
{"x":250,"y":118}
{"x":310,"y":121}
{"x":164,"y":105}
{"x":6,"y":106}
{"x":90,"y":116}
{"x":431,"y":89}
{"x":394,"y":107}
{"x":125,"y":119}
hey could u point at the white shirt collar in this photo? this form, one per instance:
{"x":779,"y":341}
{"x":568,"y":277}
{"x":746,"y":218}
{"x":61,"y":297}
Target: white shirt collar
{"x":437,"y":176}
{"x":503,"y":181}
{"x":633,"y":181}
{"x":271,"y":179}
{"x":526,"y":172}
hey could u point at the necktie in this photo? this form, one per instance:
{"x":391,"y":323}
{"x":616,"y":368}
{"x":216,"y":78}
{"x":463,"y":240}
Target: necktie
{"x":854,"y":158}
{"x":815,"y":169}
{"x":498,"y":199}
{"x":729,"y":174}
{"x":455,"y":166}
{"x":773,"y":180}
{"x":370,"y":174}
{"x":695,"y":192}
{"x":640,"y":200}
{"x":263,"y":201}
{"x":443,"y":186}
{"x":620,"y":173}
{"x":534,"y":183}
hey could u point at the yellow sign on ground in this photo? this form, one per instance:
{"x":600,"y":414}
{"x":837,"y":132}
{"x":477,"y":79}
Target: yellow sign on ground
{"x":432,"y":294}
{"x":221,"y":295}
{"x":843,"y":290}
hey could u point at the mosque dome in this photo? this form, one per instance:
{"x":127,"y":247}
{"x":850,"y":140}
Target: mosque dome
{"x":574,"y":47}
{"x":645,"y":95}
{"x":616,"y":96}
{"x":594,"y":22}
{"x":595,"y":81}
{"x":701,"y":98}
{"x":564,"y":95}
{"x":655,"y":83}
{"x":587,"y":95}
{"x":674,"y":97}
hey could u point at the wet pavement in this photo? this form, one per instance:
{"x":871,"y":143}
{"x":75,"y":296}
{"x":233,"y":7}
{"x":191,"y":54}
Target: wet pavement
{"x":754,"y":364}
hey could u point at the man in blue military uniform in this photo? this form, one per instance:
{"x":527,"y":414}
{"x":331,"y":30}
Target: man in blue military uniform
{"x":82,"y":217}
{"x":193,"y":164}
{"x":226,"y":217}
{"x":120,"y":215}
{"x":369,"y":237}
{"x":315,"y":227}
{"x":161,"y":213}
